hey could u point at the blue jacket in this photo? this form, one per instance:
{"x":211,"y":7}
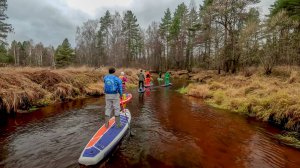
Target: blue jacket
{"x":118,"y":84}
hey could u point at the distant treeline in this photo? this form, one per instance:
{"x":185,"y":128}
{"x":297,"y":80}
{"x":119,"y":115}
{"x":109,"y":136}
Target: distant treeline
{"x":225,"y":35}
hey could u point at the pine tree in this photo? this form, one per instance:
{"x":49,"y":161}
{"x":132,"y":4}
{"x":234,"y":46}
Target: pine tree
{"x":5,"y":28}
{"x":22,"y":53}
{"x":165,"y":24}
{"x":192,"y":27}
{"x":64,"y":54}
{"x":103,"y":37}
{"x":206,"y":23}
{"x":164,"y":30}
{"x":27,"y":53}
{"x":131,"y":32}
{"x":4,"y":56}
{"x":291,"y":6}
{"x":179,"y":33}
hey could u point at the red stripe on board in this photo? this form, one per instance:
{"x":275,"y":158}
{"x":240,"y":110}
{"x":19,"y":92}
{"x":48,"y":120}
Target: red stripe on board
{"x":100,"y":133}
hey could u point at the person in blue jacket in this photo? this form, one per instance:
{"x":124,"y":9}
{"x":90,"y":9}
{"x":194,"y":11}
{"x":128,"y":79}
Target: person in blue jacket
{"x":113,"y":94}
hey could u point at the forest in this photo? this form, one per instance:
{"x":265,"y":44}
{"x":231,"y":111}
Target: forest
{"x":223,"y":35}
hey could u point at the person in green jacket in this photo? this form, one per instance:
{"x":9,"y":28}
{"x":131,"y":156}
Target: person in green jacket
{"x":159,"y":79}
{"x":167,"y":78}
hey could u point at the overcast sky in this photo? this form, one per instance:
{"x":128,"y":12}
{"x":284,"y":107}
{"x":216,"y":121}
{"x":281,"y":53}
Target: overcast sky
{"x":50,"y":21}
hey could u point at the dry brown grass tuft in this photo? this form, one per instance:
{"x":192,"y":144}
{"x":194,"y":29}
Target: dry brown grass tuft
{"x":200,"y":91}
{"x":95,"y":89}
{"x":293,"y":77}
{"x":24,"y":87}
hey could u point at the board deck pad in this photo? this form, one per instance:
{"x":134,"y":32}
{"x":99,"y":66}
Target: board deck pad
{"x":141,"y":91}
{"x":104,"y":137}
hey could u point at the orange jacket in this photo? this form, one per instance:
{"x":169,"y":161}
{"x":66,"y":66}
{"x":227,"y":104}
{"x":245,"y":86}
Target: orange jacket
{"x":147,"y":81}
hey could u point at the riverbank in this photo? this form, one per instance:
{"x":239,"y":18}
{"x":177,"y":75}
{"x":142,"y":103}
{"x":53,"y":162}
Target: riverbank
{"x":274,"y":98}
{"x":25,"y":88}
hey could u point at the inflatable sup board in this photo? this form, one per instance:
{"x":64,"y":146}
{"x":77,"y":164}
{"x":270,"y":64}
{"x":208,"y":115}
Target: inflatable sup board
{"x":141,"y":90}
{"x":149,"y":85}
{"x":170,"y":84}
{"x":104,"y":141}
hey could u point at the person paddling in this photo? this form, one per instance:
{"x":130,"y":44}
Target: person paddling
{"x":159,"y":79}
{"x":141,"y":80}
{"x":148,"y":79}
{"x":124,"y":80}
{"x":159,"y":74}
{"x":167,"y":78}
{"x":113,"y":94}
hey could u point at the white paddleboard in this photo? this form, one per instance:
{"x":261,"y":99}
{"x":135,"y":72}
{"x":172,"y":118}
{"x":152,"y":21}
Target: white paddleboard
{"x":105,"y":139}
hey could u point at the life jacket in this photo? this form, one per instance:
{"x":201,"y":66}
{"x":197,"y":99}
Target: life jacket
{"x":148,"y":75}
{"x":148,"y":78}
{"x":122,"y":78}
{"x":167,"y":75}
{"x":147,"y":81}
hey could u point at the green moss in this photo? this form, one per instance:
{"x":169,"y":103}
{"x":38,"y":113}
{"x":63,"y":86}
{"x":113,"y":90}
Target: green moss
{"x":183,"y":90}
{"x":243,"y":107}
{"x":33,"y":108}
{"x":44,"y":102}
{"x":219,"y":97}
{"x":214,"y":104}
{"x":290,"y":139}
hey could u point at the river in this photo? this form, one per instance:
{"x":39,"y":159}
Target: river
{"x":168,"y":130}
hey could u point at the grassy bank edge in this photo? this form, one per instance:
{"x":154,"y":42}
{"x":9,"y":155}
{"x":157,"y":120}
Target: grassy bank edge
{"x":274,"y":98}
{"x":24,"y":89}
{"x":289,"y":137}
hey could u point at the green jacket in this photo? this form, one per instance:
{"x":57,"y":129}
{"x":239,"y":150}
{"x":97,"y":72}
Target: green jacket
{"x":167,"y":75}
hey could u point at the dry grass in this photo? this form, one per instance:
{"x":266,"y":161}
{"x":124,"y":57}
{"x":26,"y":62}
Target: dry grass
{"x":273,"y":98}
{"x":22,"y":88}
{"x":95,"y":89}
{"x":200,"y":91}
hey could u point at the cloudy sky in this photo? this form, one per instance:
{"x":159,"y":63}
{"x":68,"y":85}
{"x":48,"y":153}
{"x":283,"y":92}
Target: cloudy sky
{"x":50,"y":21}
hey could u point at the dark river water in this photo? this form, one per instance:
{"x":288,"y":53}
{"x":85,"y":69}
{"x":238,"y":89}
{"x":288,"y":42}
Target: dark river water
{"x":168,"y":130}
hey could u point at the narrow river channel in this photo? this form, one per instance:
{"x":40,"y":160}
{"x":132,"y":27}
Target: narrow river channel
{"x":168,"y":130}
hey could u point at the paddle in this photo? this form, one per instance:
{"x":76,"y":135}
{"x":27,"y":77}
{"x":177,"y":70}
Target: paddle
{"x":123,"y":105}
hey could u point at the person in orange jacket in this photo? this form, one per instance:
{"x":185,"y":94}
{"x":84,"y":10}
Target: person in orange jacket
{"x":148,"y":79}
